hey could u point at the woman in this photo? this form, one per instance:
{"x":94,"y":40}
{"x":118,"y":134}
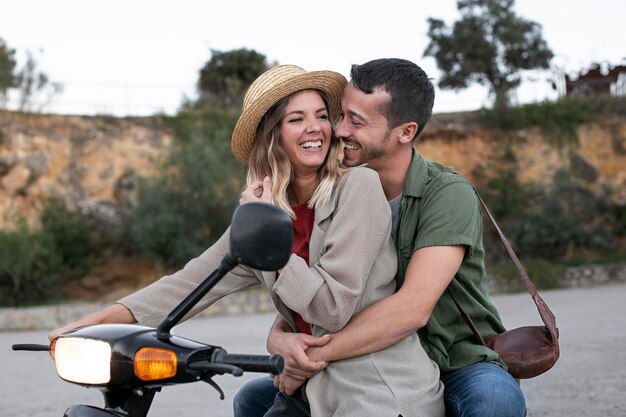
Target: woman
{"x":343,"y":258}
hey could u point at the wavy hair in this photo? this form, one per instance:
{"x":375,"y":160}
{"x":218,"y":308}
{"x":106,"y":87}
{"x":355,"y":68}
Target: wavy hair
{"x":268,"y":158}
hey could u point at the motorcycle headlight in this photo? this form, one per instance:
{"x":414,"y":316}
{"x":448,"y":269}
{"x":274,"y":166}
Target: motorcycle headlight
{"x":80,"y":360}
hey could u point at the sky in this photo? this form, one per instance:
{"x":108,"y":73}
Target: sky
{"x":140,"y":57}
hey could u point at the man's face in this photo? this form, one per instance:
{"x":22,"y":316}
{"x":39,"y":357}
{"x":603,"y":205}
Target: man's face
{"x":363,"y":128}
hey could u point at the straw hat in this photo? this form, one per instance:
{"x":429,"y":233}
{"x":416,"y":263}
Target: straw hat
{"x":271,"y":87}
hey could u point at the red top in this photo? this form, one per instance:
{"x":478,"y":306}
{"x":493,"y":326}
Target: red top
{"x":302,"y":228}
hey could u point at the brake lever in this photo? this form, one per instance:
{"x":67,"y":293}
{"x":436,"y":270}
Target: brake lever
{"x":212,"y":383}
{"x":217,"y":368}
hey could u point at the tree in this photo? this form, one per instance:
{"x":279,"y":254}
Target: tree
{"x":226,"y":76}
{"x":28,"y":80}
{"x":7,"y":66}
{"x":489,"y":45}
{"x":31,"y":81}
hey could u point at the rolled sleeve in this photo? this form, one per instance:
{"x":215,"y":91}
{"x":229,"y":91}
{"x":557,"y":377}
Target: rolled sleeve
{"x":450,"y":216}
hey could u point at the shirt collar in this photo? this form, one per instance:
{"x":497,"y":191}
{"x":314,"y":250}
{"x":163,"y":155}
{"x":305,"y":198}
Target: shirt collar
{"x":416,"y":178}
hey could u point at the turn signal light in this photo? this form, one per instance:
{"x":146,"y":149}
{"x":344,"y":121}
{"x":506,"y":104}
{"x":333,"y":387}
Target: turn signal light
{"x":153,"y":364}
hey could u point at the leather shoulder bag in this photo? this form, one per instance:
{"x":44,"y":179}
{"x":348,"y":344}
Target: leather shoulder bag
{"x":527,"y":351}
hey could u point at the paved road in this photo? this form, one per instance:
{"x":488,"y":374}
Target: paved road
{"x":588,"y":381}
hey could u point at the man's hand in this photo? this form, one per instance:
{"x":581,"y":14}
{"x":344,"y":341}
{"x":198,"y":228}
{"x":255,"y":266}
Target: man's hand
{"x":293,"y":348}
{"x":298,"y":367}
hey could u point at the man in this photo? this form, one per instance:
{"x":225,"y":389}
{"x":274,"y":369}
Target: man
{"x":438,"y":235}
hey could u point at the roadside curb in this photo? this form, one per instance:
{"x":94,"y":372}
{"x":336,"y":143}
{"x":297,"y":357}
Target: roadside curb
{"x":52,"y":317}
{"x":257,"y":300}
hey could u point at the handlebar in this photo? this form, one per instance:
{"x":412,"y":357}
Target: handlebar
{"x":251,"y":363}
{"x":31,"y":347}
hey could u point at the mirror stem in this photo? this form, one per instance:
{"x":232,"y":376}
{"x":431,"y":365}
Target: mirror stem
{"x":176,"y":315}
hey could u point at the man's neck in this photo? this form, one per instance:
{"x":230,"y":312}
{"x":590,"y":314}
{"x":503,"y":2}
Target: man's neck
{"x":393,"y":174}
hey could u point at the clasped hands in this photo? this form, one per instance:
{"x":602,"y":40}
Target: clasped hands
{"x":295,"y":349}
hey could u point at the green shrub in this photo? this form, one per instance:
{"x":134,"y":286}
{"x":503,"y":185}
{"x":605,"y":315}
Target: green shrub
{"x":73,"y":235}
{"x":29,"y":268}
{"x":558,"y":223}
{"x":543,"y":274}
{"x":617,"y":213}
{"x":183,"y":212}
{"x":504,"y":195}
{"x":33,"y":263}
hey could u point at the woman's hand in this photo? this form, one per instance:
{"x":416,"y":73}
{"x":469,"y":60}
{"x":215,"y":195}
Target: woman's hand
{"x":258,"y":191}
{"x":288,"y":385}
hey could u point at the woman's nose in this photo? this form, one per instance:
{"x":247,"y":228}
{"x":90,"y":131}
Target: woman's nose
{"x":314,"y":126}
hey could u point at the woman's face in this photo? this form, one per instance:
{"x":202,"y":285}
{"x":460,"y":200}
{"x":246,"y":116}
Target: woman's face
{"x":305,"y":131}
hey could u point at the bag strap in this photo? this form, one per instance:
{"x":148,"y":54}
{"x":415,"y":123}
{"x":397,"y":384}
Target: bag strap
{"x":468,"y":320}
{"x":544,"y":311}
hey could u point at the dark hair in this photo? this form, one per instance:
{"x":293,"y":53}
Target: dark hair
{"x":411,"y":91}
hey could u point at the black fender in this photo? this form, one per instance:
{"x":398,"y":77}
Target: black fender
{"x":87,"y":411}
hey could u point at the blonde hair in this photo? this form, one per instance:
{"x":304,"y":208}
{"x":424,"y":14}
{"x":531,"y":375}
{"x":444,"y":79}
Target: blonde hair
{"x":268,"y":158}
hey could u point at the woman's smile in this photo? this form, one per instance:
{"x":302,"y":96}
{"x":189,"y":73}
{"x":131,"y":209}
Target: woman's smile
{"x":305,"y":131}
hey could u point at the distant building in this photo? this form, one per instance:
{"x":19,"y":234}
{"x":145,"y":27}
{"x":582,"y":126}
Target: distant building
{"x":598,"y":80}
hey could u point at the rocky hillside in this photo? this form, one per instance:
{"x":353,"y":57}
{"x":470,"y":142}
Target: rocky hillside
{"x":597,"y":156}
{"x":93,"y":164}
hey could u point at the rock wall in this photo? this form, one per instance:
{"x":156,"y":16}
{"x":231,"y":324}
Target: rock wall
{"x":597,"y":157}
{"x":91,"y":162}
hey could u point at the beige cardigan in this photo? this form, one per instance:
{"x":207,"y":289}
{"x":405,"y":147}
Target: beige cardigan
{"x":353,"y":264}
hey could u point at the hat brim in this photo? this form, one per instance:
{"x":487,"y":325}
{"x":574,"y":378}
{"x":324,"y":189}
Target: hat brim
{"x":329,"y":82}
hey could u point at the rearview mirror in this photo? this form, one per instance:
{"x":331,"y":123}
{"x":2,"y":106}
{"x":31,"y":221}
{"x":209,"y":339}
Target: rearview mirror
{"x":261,"y":236}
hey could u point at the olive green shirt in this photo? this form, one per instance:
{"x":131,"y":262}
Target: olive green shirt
{"x":440,"y":208}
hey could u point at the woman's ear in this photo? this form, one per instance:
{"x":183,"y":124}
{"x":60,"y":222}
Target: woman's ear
{"x":407,"y":132}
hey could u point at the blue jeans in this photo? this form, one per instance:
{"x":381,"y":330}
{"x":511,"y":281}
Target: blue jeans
{"x":482,"y":390}
{"x":255,"y":397}
{"x":479,"y":390}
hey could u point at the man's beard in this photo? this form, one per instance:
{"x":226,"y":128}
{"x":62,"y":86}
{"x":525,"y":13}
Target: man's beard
{"x":371,"y":153}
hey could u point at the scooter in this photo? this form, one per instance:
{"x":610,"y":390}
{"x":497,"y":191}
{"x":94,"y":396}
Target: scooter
{"x":129,"y":364}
